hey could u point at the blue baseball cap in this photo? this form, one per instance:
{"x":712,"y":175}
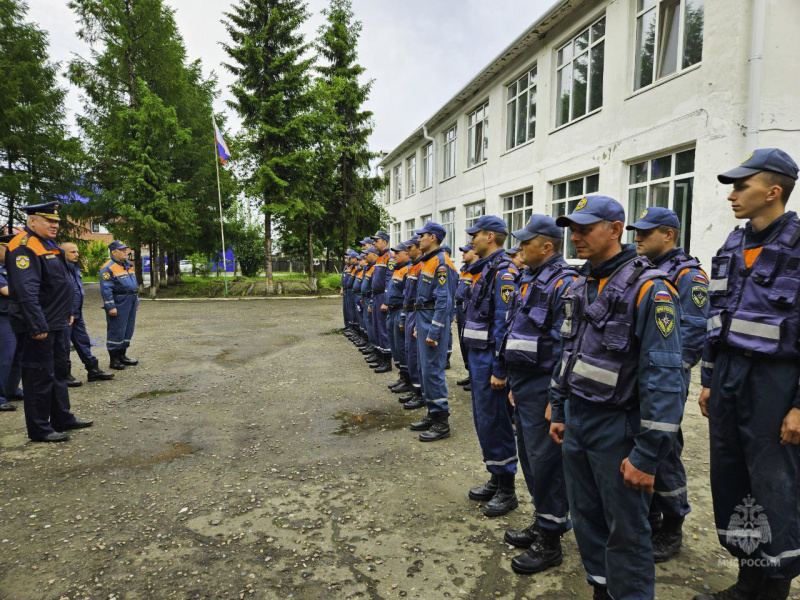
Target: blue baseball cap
{"x":116,"y":245}
{"x":655,"y":216}
{"x":380,"y":235}
{"x":513,"y":250}
{"x":352,"y":254}
{"x":593,"y":209}
{"x":371,"y":250}
{"x":362,"y":256}
{"x":764,"y":159}
{"x":414,"y":241}
{"x":539,"y":225}
{"x":433,"y":229}
{"x":488,"y":223}
{"x":467,"y":247}
{"x":400,"y":248}
{"x":366,"y":241}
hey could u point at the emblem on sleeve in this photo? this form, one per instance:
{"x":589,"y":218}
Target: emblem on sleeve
{"x":663,"y":296}
{"x":700,"y":295}
{"x":23,"y":262}
{"x":505,"y":292}
{"x":665,"y":319}
{"x":442,"y":275}
{"x":106,"y":276}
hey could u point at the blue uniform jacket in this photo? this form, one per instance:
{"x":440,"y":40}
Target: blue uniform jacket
{"x":395,"y":290}
{"x":117,"y":278}
{"x":383,"y":272}
{"x":660,"y":399}
{"x":436,"y":284}
{"x":77,"y":286}
{"x":3,"y":283}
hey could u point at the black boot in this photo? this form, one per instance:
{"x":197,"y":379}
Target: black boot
{"x":600,"y":593}
{"x":485,"y":492}
{"x":416,"y":400}
{"x":656,"y":519}
{"x":128,"y":362}
{"x":524,"y":538}
{"x":424,"y":424}
{"x":367,"y":350}
{"x":405,"y":386}
{"x":543,"y":554}
{"x":504,"y":499}
{"x":667,"y":542}
{"x":96,"y":374}
{"x":447,"y":364}
{"x":464,"y":381}
{"x":386,"y":364}
{"x":775,"y":589}
{"x":747,"y":587}
{"x":397,"y":383}
{"x":72,"y":382}
{"x":115,"y":363}
{"x":440,"y":429}
{"x":468,"y":387}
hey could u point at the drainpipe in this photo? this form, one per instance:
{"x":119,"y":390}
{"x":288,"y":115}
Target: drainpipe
{"x":756,"y":64}
{"x":435,"y":210}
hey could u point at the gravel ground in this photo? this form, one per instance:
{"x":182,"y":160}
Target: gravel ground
{"x":252,"y":454}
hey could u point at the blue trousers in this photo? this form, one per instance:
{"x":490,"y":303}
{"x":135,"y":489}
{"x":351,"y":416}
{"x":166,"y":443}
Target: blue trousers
{"x":8,"y":346}
{"x":369,"y":322}
{"x":345,"y":311}
{"x":119,"y":329}
{"x":671,"y":498}
{"x":432,"y":360}
{"x":379,"y":324}
{"x":351,"y":308}
{"x":460,"y":320}
{"x":539,"y":455}
{"x":752,"y":475}
{"x":81,"y":341}
{"x":359,"y":313}
{"x":397,"y":339}
{"x":44,"y":378}
{"x":412,"y":361}
{"x":610,"y":520}
{"x":492,"y":413}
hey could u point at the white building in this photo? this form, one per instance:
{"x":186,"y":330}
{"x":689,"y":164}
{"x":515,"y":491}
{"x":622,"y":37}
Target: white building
{"x":642,"y":100}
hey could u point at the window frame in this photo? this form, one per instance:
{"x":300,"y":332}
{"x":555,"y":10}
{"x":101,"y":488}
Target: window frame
{"x":592,"y":45}
{"x":102,"y":228}
{"x":449,"y":226}
{"x":424,"y":219}
{"x":470,"y":215}
{"x":449,"y":147}
{"x":680,"y":67}
{"x":526,"y":210}
{"x":532,"y":86}
{"x":427,"y":167}
{"x":409,"y":231}
{"x":398,"y":183}
{"x":397,"y":231}
{"x":472,"y":128}
{"x":572,"y":199}
{"x":411,"y":175}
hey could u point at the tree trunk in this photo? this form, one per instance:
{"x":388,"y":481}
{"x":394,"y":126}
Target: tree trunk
{"x":153,"y":269}
{"x":312,"y":281}
{"x":268,"y":251}
{"x":137,"y":263}
{"x":345,"y":220}
{"x":162,"y":270}
{"x":10,"y":204}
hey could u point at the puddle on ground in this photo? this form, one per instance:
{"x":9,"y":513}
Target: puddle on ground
{"x":155,"y":394}
{"x":370,"y":421}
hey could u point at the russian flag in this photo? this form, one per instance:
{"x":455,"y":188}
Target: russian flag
{"x":222,"y":147}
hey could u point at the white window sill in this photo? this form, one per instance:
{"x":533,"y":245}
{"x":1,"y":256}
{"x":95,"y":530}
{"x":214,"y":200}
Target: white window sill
{"x":664,"y":80}
{"x":578,"y":120}
{"x":425,"y":189}
{"x":411,"y":195}
{"x":448,"y":178}
{"x":515,"y":148}
{"x":480,"y":164}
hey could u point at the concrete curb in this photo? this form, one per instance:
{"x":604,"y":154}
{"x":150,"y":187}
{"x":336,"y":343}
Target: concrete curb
{"x":240,"y":299}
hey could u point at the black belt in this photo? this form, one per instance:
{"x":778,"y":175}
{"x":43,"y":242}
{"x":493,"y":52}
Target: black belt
{"x":425,"y":306}
{"x":409,"y":307}
{"x":459,"y":303}
{"x":126,"y":293}
{"x":394,"y":306}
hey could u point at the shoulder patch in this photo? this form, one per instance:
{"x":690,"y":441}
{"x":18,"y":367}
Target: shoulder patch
{"x":441,"y":274}
{"x":700,"y":295}
{"x":106,"y":276}
{"x":505,"y":292}
{"x":24,"y":241}
{"x":665,"y":319}
{"x":662,"y":297}
{"x":700,"y":279}
{"x":23,"y":262}
{"x":507,"y":276}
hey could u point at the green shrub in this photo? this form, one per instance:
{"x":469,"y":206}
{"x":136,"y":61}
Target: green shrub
{"x":330,"y":282}
{"x":94,"y":255}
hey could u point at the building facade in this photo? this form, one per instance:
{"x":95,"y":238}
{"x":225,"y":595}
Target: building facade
{"x":642,"y":100}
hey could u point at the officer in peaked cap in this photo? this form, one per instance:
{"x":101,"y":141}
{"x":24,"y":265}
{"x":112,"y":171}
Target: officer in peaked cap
{"x":120,"y":292}
{"x":465,"y":281}
{"x":617,"y":398}
{"x":750,"y":373}
{"x":40,"y":311}
{"x":485,"y":309}
{"x":436,"y":288}
{"x":8,"y":341}
{"x":384,"y":265}
{"x":531,"y":351}
{"x":658,"y":232}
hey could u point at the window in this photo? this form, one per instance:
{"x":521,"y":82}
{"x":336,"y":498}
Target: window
{"x":396,"y":234}
{"x":448,"y":221}
{"x":411,"y":174}
{"x":566,"y":196}
{"x":669,"y":38}
{"x":449,"y":153}
{"x":517,"y":211}
{"x":398,"y":184}
{"x":521,"y":110}
{"x":425,"y":219}
{"x":427,"y":166}
{"x":473,"y":213}
{"x":99,"y":228}
{"x":478,"y":135}
{"x":409,"y":229}
{"x":580,"y":74}
{"x":666,"y":181}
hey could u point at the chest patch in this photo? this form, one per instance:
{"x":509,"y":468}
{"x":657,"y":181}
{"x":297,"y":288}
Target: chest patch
{"x":106,"y":276}
{"x":665,"y":319}
{"x":23,"y":262}
{"x":505,"y":292}
{"x":700,"y":295}
{"x":50,"y":256}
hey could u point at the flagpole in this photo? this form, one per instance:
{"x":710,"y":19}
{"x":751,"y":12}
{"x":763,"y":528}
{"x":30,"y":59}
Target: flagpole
{"x":219,"y":196}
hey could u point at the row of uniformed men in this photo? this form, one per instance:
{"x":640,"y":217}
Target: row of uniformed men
{"x":597,"y":362}
{"x":41,"y":313}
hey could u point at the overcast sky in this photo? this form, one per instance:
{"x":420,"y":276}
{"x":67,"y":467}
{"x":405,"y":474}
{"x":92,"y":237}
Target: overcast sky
{"x":419,"y":52}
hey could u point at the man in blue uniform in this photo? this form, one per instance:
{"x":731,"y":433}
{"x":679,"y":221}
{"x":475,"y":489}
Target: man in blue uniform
{"x":516,"y":258}
{"x":362,"y":342}
{"x":373,"y":357}
{"x":384,"y":265}
{"x":120,"y":293}
{"x":657,"y":235}
{"x":41,"y":312}
{"x":346,"y":271}
{"x":617,"y":398}
{"x":8,"y":341}
{"x":436,"y":288}
{"x":77,"y":331}
{"x":484,"y":328}
{"x":413,"y":400}
{"x":750,"y":373}
{"x":395,"y":293}
{"x":531,"y":350}
{"x":465,"y":281}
